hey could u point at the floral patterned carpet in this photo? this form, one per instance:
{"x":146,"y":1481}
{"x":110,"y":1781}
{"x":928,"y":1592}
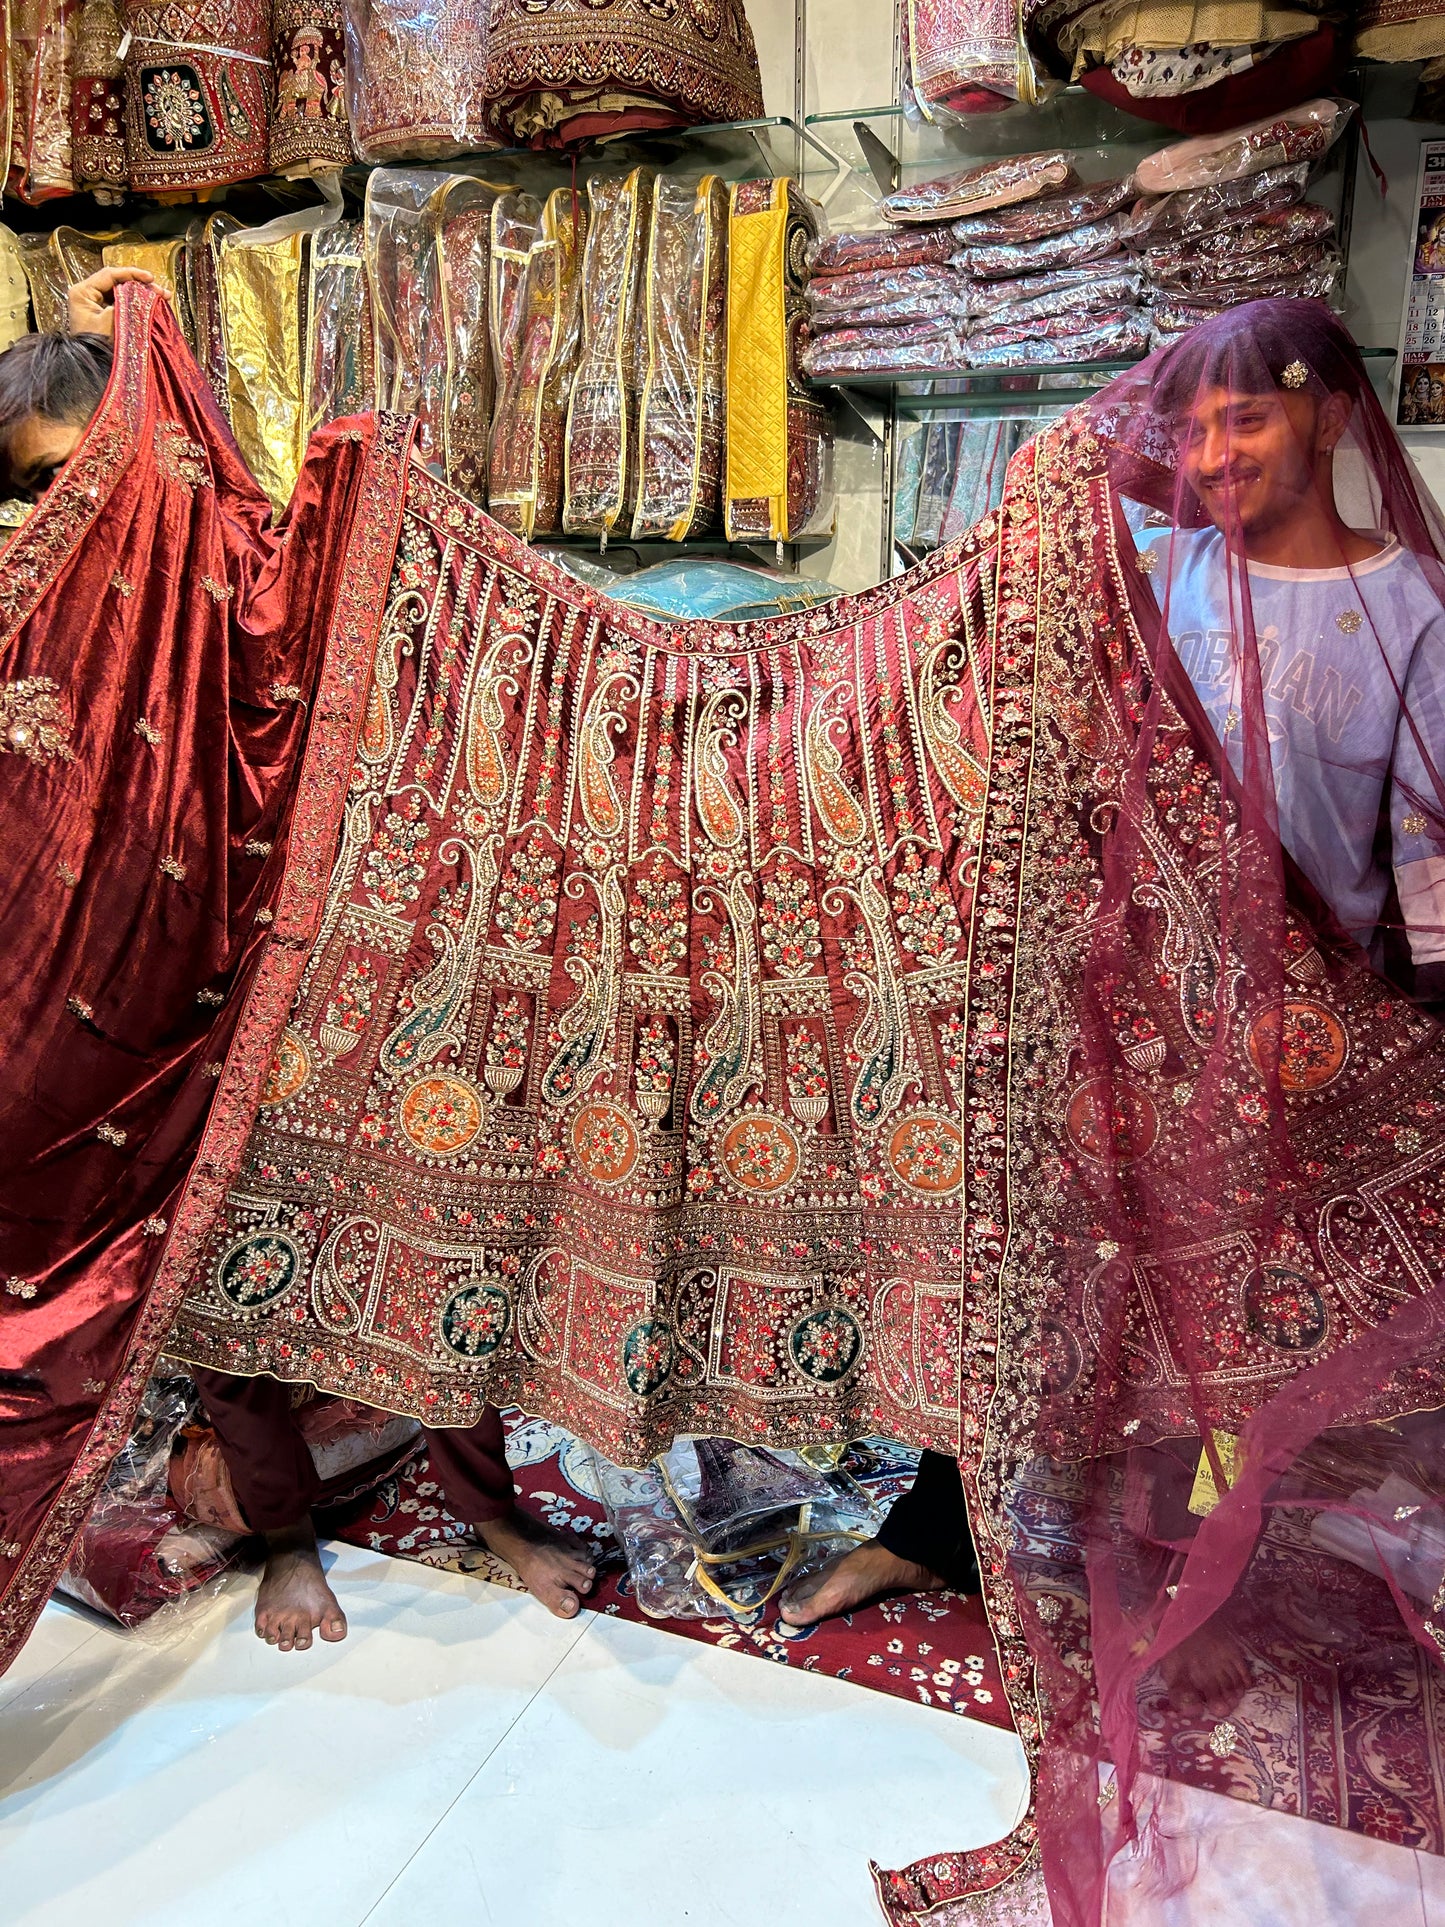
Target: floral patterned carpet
{"x":933,"y":1648}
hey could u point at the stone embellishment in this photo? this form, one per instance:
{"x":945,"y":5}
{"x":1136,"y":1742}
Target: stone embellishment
{"x":171,"y":866}
{"x":1148,"y":561}
{"x":258,"y":847}
{"x":285,"y":692}
{"x":1349,"y":622}
{"x":110,"y":1133}
{"x":154,"y":1227}
{"x":10,"y":1548}
{"x":212,"y":1070}
{"x":92,"y":1386}
{"x":33,"y":721}
{"x":1414,"y":824}
{"x":67,"y":876}
{"x":20,"y":1288}
{"x":1224,"y":1740}
{"x":147,"y":730}
{"x":78,"y":1007}
{"x":121,"y":586}
{"x":1295,"y":376}
{"x":220,"y":591}
{"x":265,"y":916}
{"x":212,"y":999}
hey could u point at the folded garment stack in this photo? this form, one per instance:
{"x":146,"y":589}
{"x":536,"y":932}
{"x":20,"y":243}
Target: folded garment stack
{"x":887,"y":303}
{"x":1236,"y":226}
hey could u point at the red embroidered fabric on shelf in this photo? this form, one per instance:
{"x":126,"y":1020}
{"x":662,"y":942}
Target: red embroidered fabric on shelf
{"x":197,"y":93}
{"x":416,"y":78}
{"x":309,"y":131}
{"x":40,"y":51}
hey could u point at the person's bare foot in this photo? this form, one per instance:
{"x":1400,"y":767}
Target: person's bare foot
{"x":554,"y":1566}
{"x":854,"y":1579}
{"x":294,"y":1600}
{"x":1207,"y":1672}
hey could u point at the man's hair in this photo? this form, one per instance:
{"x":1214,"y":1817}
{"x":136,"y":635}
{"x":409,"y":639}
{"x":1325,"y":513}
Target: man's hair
{"x":59,"y":376}
{"x":1251,"y":349}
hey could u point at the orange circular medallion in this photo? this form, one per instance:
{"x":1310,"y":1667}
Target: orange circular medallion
{"x":290,"y":1069}
{"x":1107,"y":1119}
{"x":605,"y":1141}
{"x":925,"y":1152}
{"x":441,"y":1114}
{"x":760,"y":1152}
{"x":1306,"y":1040}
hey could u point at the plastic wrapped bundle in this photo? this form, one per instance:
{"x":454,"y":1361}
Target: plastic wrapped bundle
{"x":525,"y":484}
{"x":197,"y":95}
{"x":1173,"y":315}
{"x":1118,"y":338}
{"x":1301,"y":134}
{"x":1004,"y":260}
{"x":564,"y":71}
{"x":40,"y":41}
{"x":907,"y":294}
{"x":1236,"y":241}
{"x":921,"y":347}
{"x":1201,"y":210}
{"x":779,"y":437}
{"x":415,"y":78}
{"x":882,"y":252}
{"x":516,"y":220}
{"x":428,"y":239}
{"x":97,"y":104}
{"x":204,"y":240}
{"x":310,"y":132}
{"x":989,"y":297}
{"x":600,"y":455}
{"x":965,"y":56}
{"x":1022,"y":177}
{"x":680,"y":426}
{"x":1055,"y":214}
{"x":1210,"y":279}
{"x":1093,"y":290}
{"x":341,"y":374}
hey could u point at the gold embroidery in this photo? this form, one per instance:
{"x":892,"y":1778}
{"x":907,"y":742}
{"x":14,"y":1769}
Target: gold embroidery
{"x":110,"y":1134}
{"x":1148,"y":561}
{"x":1414,"y":824}
{"x":67,"y":876}
{"x":212,"y":1070}
{"x":213,"y":998}
{"x":78,"y":1007}
{"x":154,"y":1227}
{"x":10,"y":1548}
{"x":179,"y":458}
{"x":1349,"y":622}
{"x":258,"y":847}
{"x":222,"y":591}
{"x":94,"y":1386}
{"x":33,"y":720}
{"x":147,"y":730}
{"x":171,"y":866}
{"x":265,"y":916}
{"x":119,"y":582}
{"x":285,"y":692}
{"x":20,"y":1288}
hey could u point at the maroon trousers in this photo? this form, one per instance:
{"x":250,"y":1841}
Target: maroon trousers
{"x":275,"y":1480}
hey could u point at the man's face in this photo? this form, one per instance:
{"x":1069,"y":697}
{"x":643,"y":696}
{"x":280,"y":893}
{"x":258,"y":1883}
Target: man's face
{"x":1251,"y":459}
{"x":39,"y":449}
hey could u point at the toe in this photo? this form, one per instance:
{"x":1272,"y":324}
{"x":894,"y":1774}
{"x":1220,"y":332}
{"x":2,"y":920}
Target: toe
{"x":567,"y":1606}
{"x":333,"y":1627}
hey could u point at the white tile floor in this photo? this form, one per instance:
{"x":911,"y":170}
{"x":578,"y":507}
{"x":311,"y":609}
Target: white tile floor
{"x":463,"y":1755}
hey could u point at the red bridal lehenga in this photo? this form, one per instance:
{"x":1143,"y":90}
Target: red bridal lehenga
{"x":916,"y":1015}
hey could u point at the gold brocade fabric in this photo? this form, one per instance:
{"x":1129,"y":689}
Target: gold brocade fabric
{"x":1100,"y":33}
{"x":1400,"y":30}
{"x":779,"y":438}
{"x":260,"y":285}
{"x":14,"y":291}
{"x":166,"y":260}
{"x":97,"y":103}
{"x":40,"y":40}
{"x":680,"y":427}
{"x":54,"y":262}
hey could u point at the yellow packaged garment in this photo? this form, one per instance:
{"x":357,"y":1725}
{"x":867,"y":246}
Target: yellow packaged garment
{"x":261,"y":276}
{"x":779,"y":435}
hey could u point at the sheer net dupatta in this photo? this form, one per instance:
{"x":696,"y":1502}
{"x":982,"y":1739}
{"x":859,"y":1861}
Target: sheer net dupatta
{"x":180,"y":686}
{"x":1205,"y":1121}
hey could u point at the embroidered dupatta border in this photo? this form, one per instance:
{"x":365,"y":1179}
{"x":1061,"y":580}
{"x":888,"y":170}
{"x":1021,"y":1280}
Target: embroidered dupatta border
{"x":321,"y":792}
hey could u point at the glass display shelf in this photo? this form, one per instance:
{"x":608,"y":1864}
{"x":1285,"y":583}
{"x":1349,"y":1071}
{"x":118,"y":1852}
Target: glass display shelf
{"x":963,"y":393}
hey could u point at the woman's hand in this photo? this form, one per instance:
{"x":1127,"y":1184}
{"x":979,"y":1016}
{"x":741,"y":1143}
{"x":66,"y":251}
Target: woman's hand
{"x":92,"y":301}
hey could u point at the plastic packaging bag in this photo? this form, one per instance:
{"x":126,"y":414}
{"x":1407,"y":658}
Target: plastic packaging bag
{"x":1300,"y":134}
{"x":1202,"y":210}
{"x":973,"y":190}
{"x":1237,"y":242}
{"x":883,"y":251}
{"x":600,"y":464}
{"x":680,"y":425}
{"x":341,"y":374}
{"x":1054,"y":214}
{"x":525,"y":481}
{"x":1095,"y":290}
{"x":14,"y":291}
{"x":1006,"y":260}
{"x":137,"y":1552}
{"x":965,"y":57}
{"x":1209,"y":279}
{"x":415,"y":78}
{"x":848,"y":294}
{"x":715,"y":1525}
{"x":885,"y":351}
{"x":1121,"y":338}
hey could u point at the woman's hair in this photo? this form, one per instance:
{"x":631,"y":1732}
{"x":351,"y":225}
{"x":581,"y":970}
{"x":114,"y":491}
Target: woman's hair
{"x":59,"y":376}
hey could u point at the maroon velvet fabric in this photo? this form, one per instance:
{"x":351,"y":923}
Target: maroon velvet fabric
{"x":1297,"y":71}
{"x":160,"y":648}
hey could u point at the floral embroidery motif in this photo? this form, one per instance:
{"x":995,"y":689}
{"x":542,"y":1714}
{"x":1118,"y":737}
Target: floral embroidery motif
{"x":171,"y":866}
{"x":33,"y":720}
{"x":213,"y":998}
{"x":67,"y":876}
{"x":175,"y":110}
{"x":147,"y":731}
{"x":791,"y":930}
{"x":1349,"y":622}
{"x":474,"y":1320}
{"x":179,"y":458}
{"x":506,"y":1064}
{"x":20,"y":1288}
{"x":78,"y":1007}
{"x":441,"y":1115}
{"x":221,"y":591}
{"x":348,"y":1010}
{"x":154,"y":1227}
{"x":928,"y":923}
{"x":656,"y":1068}
{"x":285,"y":692}
{"x":807,"y":1075}
{"x":656,"y":922}
{"x":110,"y":1134}
{"x":527,"y":900}
{"x":265,"y":916}
{"x":119,"y":583}
{"x":258,"y":847}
